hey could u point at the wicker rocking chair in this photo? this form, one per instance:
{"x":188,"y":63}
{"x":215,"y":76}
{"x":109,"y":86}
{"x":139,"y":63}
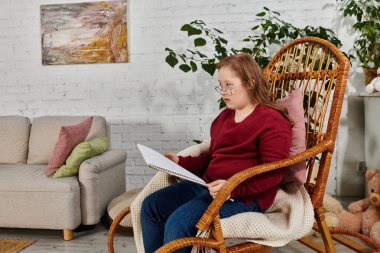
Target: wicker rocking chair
{"x":320,"y":70}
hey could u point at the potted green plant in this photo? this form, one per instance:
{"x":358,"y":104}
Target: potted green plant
{"x":210,"y":45}
{"x":367,"y":24}
{"x":270,"y":30}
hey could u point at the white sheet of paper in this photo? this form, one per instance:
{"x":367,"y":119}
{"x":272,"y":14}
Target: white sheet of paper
{"x":159,"y":162}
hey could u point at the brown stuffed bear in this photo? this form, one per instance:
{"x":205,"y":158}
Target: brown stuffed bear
{"x":364,"y":215}
{"x":331,"y":206}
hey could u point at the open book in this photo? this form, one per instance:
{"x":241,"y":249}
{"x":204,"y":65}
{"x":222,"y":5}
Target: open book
{"x":159,"y":162}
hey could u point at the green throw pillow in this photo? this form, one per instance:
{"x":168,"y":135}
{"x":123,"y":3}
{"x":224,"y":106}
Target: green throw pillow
{"x":80,"y":153}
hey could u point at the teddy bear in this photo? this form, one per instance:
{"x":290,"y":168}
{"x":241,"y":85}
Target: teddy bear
{"x":364,"y":215}
{"x":331,"y":206}
{"x":374,"y":85}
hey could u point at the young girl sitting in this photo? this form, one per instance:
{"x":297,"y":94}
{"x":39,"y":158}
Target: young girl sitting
{"x":252,"y":130}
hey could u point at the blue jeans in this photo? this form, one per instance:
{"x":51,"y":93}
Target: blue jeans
{"x":173,"y":212}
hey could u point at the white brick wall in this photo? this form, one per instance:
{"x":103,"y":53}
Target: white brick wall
{"x":144,"y":101}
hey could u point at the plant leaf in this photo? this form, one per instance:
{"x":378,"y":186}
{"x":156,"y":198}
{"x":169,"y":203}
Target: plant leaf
{"x":199,"y":42}
{"x":194,"y":32}
{"x":219,"y":31}
{"x":171,"y":60}
{"x":209,"y":68}
{"x":193,"y":66}
{"x":254,"y":28}
{"x":222,"y":104}
{"x":201,"y":55}
{"x":261,"y":14}
{"x":223,"y":40}
{"x":247,"y":50}
{"x":183,"y":57}
{"x":186,"y":27}
{"x":190,"y":30}
{"x":184,"y":67}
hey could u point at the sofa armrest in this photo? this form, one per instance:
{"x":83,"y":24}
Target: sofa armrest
{"x":101,"y":178}
{"x":104,"y":161}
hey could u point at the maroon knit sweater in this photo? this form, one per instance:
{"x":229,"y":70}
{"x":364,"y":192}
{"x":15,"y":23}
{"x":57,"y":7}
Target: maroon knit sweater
{"x":263,"y":136}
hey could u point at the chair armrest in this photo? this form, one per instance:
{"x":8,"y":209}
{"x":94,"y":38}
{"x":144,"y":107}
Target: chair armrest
{"x":196,"y":149}
{"x":105,"y":160}
{"x":213,"y":209}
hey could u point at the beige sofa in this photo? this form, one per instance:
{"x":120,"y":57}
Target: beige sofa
{"x":30,"y":199}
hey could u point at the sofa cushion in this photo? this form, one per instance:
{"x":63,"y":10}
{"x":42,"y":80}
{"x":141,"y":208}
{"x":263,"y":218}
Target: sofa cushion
{"x":14,"y":136}
{"x":45,"y":130}
{"x":294,"y":104}
{"x":68,"y":138}
{"x":29,"y":199}
{"x":32,"y":178}
{"x":80,"y":153}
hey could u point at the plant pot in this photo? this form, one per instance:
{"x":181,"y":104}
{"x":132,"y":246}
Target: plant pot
{"x":369,"y":74}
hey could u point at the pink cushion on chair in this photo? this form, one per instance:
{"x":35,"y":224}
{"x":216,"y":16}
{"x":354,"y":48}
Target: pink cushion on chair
{"x":68,"y":138}
{"x":294,"y":104}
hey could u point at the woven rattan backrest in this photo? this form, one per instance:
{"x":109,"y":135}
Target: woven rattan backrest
{"x":320,"y":70}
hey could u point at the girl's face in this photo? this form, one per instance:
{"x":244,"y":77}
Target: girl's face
{"x":234,"y":93}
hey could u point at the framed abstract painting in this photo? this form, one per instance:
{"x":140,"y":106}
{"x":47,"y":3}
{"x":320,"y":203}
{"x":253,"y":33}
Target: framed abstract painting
{"x":84,"y":33}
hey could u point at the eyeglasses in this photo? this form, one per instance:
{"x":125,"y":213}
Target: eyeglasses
{"x":225,"y":90}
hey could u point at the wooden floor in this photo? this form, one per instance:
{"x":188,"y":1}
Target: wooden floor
{"x":95,"y":241}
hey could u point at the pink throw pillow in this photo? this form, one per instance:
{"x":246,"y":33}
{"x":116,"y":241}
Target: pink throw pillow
{"x":68,"y":138}
{"x":294,"y":104}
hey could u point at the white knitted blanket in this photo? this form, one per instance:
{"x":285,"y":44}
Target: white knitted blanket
{"x":289,"y":218}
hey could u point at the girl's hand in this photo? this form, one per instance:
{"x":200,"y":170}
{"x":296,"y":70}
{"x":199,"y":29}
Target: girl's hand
{"x":172,"y":157}
{"x":214,"y":187}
